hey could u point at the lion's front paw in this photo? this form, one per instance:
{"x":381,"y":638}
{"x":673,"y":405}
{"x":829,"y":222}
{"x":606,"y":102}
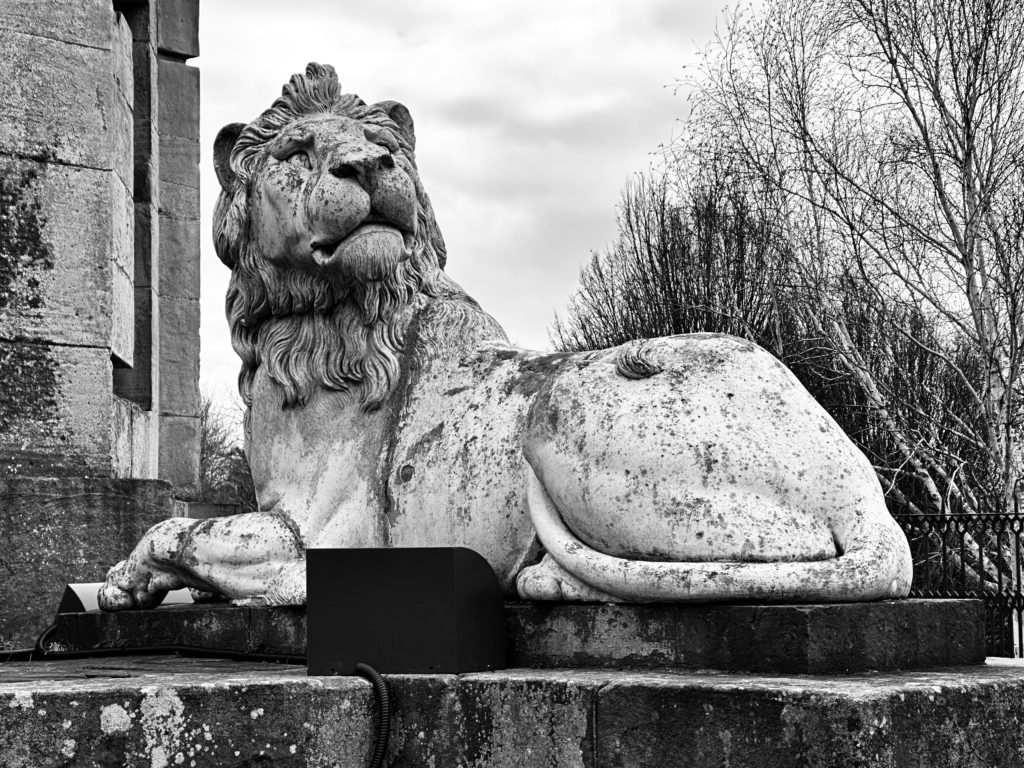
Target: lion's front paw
{"x":127,"y":587}
{"x":549,"y":581}
{"x":112,"y":598}
{"x":151,"y":570}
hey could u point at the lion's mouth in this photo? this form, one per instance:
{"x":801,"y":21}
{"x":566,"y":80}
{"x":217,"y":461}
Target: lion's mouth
{"x":370,"y":251}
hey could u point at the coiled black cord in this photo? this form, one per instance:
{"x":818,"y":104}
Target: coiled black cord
{"x":380,"y":693}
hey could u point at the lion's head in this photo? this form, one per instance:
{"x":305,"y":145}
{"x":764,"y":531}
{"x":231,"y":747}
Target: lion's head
{"x":329,"y":235}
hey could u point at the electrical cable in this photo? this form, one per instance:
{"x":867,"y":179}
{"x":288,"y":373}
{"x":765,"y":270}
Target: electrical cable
{"x":380,"y":692}
{"x":39,"y":647}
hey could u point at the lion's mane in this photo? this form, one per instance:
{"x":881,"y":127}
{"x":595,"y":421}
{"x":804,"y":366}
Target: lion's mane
{"x":309,"y":331}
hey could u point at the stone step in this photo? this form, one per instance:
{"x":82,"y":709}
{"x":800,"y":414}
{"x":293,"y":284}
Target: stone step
{"x":850,"y":637}
{"x":169,"y":711}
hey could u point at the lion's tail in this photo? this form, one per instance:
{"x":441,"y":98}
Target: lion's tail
{"x":875,"y":564}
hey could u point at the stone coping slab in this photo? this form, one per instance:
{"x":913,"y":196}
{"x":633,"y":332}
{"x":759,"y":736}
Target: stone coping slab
{"x":832,"y":638}
{"x":166,"y":711}
{"x":825,"y":638}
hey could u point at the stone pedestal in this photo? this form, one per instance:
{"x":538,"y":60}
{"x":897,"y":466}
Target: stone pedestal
{"x":144,"y":711}
{"x":817,"y":639}
{"x":634,"y":699}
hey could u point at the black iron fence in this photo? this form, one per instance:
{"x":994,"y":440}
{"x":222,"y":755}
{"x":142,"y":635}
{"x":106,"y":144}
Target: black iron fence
{"x":972,"y":555}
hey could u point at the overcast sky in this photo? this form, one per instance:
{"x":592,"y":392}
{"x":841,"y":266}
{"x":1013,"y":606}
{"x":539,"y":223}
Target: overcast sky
{"x":530,"y":117}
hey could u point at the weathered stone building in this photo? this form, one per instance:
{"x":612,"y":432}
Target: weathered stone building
{"x":99,"y":283}
{"x":99,"y":239}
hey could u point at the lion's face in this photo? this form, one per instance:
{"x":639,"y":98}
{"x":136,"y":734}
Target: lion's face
{"x":330,"y":238}
{"x":333,"y":196}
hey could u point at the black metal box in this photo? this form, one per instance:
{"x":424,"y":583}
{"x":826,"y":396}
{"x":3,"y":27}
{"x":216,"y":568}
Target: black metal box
{"x":414,"y":610}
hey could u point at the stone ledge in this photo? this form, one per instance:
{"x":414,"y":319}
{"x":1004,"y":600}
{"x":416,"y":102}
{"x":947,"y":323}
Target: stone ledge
{"x":850,"y":637}
{"x":280,"y":631}
{"x":142,"y":711}
{"x":816,"y":639}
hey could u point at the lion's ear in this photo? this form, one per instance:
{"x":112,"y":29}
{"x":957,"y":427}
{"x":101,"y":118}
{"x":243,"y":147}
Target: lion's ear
{"x":402,"y":117}
{"x":222,"y":147}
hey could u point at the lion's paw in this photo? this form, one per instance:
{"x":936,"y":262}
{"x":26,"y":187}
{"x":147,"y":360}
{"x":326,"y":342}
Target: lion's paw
{"x":149,"y":572}
{"x":549,"y":581}
{"x":534,"y":584}
{"x":126,"y":588}
{"x":112,"y":598}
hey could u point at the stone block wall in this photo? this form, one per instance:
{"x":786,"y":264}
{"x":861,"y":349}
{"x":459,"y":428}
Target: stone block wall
{"x":63,"y":163}
{"x":65,"y":530}
{"x":99,"y":288}
{"x":99,"y":240}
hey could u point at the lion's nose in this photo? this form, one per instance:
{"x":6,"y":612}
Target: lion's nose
{"x":362,"y":167}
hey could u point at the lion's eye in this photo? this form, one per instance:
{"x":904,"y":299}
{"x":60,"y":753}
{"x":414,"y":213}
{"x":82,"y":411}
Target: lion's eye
{"x":300,"y":159}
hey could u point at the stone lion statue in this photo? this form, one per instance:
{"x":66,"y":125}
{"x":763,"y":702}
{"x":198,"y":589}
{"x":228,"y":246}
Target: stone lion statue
{"x":385,"y":408}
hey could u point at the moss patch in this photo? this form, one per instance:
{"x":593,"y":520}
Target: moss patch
{"x":23,"y":252}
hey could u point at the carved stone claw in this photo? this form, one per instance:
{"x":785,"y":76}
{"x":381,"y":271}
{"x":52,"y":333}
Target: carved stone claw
{"x":549,"y":581}
{"x":125,"y":588}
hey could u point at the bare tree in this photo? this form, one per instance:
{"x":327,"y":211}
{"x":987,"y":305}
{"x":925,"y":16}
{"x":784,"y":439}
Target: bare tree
{"x":224,"y":475}
{"x":708,"y":262}
{"x":888,"y":135}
